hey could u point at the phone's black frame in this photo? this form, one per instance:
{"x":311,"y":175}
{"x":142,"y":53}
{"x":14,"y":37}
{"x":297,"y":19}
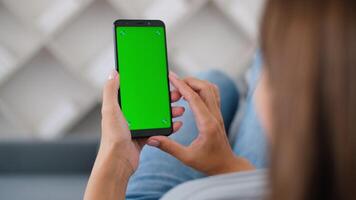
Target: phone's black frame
{"x":144,"y":23}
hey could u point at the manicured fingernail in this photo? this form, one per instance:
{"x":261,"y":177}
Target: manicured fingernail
{"x":153,"y":143}
{"x":173,"y":74}
{"x":112,"y":75}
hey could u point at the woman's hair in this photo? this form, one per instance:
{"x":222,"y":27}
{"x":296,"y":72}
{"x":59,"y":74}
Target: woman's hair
{"x":309,"y":47}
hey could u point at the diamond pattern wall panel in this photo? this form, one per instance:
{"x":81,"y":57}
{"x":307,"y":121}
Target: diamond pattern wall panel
{"x":55,"y":55}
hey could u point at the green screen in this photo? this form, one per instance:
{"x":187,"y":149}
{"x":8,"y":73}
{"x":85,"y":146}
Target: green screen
{"x":144,"y":89}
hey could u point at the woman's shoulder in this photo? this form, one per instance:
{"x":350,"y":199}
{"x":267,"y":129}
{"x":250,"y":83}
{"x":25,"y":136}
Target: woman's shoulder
{"x":240,"y":185}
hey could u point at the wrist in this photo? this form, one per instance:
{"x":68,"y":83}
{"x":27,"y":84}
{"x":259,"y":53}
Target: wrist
{"x":242,"y":164}
{"x":235,"y":164}
{"x":114,"y":163}
{"x":109,"y":177}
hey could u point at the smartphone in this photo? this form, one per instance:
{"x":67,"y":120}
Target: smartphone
{"x":141,"y":60}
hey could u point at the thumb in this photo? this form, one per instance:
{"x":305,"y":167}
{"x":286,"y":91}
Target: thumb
{"x":110,"y":107}
{"x":169,"y":146}
{"x":110,"y":93}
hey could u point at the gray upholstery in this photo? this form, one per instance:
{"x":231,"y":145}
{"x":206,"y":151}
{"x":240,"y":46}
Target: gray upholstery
{"x":45,"y":170}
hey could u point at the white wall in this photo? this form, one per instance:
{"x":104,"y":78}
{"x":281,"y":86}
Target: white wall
{"x":55,"y":54}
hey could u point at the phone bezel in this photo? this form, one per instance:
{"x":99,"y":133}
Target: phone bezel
{"x":143,"y":23}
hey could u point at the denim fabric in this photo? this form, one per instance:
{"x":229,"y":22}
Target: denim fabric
{"x":250,"y":142}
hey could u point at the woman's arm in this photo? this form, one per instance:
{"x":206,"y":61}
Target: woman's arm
{"x":118,"y":155}
{"x":109,"y":176}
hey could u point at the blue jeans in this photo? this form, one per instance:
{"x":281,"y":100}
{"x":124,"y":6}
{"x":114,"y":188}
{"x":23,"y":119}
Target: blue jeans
{"x":158,"y":171}
{"x":250,"y":142}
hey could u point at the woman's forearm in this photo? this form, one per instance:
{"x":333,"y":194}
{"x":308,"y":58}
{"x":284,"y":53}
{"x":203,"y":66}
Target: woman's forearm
{"x":109,"y":177}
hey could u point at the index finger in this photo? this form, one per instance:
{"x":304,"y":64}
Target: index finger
{"x":206,"y":91}
{"x":197,"y":105}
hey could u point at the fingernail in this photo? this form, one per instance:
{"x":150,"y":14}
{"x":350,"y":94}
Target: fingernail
{"x":153,"y":143}
{"x":112,"y":75}
{"x":173,"y":74}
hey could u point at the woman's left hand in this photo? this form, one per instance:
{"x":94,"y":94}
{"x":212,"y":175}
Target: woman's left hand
{"x":116,"y":136}
{"x":118,"y":155}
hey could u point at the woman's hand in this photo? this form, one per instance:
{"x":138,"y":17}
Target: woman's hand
{"x":115,"y":134}
{"x":210,"y":152}
{"x":115,"y":131}
{"x":118,"y":155}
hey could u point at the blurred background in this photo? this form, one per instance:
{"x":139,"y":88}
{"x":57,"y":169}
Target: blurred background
{"x":55,"y":56}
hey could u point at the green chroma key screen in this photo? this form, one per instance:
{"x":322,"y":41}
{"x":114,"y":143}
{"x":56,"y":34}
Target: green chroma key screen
{"x":142,"y":65}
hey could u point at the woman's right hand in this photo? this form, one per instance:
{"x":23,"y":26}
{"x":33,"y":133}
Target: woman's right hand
{"x":210,"y":152}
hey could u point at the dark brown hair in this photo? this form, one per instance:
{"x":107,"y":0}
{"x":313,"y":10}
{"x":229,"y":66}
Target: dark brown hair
{"x":309,"y":47}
